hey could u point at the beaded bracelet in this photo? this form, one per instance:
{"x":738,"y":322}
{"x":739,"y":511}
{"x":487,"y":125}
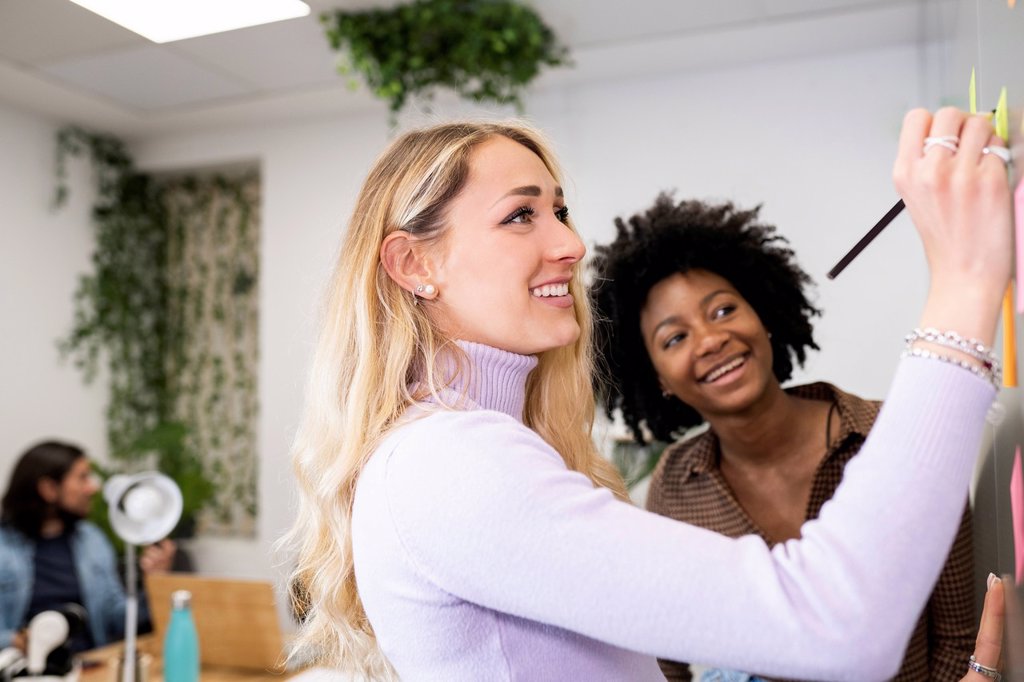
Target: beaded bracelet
{"x":991,"y":375}
{"x":976,"y":349}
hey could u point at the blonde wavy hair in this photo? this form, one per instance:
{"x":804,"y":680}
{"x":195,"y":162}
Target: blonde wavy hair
{"x":374,"y":342}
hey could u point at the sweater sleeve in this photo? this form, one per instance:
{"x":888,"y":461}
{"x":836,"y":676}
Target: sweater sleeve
{"x":488,"y":512}
{"x":674,"y":671}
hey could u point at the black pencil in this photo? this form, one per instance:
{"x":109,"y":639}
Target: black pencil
{"x":866,"y":239}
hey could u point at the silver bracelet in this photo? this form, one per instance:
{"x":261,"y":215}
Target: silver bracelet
{"x":973,"y":347}
{"x":992,"y":673}
{"x":993,"y":376}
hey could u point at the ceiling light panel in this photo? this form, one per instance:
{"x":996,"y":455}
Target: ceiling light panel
{"x":165,"y":20}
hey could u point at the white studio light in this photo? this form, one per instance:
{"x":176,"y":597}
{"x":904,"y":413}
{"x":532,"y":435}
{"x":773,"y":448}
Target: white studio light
{"x":46,"y":631}
{"x":143,"y":509}
{"x":165,"y":20}
{"x":142,"y":503}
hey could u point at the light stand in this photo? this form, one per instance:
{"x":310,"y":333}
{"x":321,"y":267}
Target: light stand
{"x":144,"y":508}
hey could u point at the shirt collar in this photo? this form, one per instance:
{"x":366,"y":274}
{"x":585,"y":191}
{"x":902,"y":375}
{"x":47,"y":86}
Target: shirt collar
{"x":856,"y":417}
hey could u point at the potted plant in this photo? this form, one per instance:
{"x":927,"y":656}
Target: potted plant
{"x":484,"y":50}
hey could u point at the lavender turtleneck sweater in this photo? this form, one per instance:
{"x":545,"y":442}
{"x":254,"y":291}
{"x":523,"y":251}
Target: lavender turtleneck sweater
{"x":479,"y":556}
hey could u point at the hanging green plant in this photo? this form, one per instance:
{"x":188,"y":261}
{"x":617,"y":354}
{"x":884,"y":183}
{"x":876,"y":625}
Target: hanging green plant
{"x":170,"y":306}
{"x":484,"y":50}
{"x":120,"y":307}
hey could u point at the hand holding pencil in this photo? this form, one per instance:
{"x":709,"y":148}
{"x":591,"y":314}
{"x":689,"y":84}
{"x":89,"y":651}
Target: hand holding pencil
{"x":957,"y":193}
{"x":895,"y":211}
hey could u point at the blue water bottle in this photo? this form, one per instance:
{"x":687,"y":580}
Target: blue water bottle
{"x":181,"y":644}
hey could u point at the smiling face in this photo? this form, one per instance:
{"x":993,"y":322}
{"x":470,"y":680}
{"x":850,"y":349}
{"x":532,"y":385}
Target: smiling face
{"x":706,"y":343}
{"x":503,"y":266}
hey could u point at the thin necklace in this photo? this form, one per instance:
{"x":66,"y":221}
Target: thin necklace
{"x":828,"y":427}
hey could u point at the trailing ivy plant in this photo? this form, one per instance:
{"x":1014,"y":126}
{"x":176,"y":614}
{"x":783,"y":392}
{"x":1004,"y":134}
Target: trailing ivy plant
{"x":120,"y":306}
{"x":484,"y":50}
{"x":142,"y":309}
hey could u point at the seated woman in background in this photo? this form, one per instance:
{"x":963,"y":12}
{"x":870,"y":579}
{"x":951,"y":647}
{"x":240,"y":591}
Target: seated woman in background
{"x":456,"y":521}
{"x":706,"y":335}
{"x":50,"y":555}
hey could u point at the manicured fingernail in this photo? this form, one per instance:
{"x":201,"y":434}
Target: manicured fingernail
{"x":992,"y":580}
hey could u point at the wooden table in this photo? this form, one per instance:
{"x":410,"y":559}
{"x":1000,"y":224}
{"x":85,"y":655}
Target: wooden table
{"x":106,"y":657}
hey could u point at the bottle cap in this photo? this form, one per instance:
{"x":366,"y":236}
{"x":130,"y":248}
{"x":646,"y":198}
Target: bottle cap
{"x":181,"y":599}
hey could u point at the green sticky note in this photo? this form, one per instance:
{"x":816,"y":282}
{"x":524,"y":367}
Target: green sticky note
{"x":1002,"y":117}
{"x":972,"y":94}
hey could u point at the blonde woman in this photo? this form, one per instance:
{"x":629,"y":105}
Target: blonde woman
{"x":456,"y":522}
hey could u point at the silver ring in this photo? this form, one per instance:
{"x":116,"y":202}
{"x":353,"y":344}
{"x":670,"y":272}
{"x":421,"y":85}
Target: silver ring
{"x":947,"y":142}
{"x":991,"y":673}
{"x":1002,"y":152}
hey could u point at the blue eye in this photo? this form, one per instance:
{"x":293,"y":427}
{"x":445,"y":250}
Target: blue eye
{"x":521,"y":215}
{"x":562,"y":214}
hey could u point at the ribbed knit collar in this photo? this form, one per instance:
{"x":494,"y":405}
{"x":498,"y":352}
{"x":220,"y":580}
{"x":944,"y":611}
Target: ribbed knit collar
{"x":494,"y":380}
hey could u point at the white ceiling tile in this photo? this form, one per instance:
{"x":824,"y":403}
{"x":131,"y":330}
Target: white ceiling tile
{"x":790,"y":7}
{"x":585,"y":23}
{"x":892,"y":24}
{"x":52,"y":100}
{"x":320,"y":6}
{"x":282,"y":55}
{"x":46,"y":30}
{"x":150,"y":77}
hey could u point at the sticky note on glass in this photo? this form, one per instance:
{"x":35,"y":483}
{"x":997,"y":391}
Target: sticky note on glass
{"x":1017,"y":512}
{"x":1002,"y":117}
{"x":1009,"y":340}
{"x":972,"y":94}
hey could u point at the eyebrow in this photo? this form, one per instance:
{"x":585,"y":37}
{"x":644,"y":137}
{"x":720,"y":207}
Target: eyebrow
{"x":528,"y":191}
{"x":673,"y":319}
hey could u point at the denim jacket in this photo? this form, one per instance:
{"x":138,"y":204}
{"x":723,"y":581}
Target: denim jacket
{"x":721,"y":675}
{"x":95,"y":565}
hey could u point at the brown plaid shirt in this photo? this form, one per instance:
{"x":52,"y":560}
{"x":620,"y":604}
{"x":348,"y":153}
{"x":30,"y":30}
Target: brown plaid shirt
{"x":688,"y":485}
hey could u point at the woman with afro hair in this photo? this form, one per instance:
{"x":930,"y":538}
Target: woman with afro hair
{"x":702,"y":313}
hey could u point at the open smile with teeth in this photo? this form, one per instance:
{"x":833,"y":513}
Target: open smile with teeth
{"x":551,"y":290}
{"x":719,"y":372}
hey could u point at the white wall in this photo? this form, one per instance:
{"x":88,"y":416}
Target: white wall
{"x":813,"y":139}
{"x":42,"y":252}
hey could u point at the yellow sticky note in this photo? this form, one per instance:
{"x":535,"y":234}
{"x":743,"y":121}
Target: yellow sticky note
{"x":972,"y":94}
{"x":1002,"y":121}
